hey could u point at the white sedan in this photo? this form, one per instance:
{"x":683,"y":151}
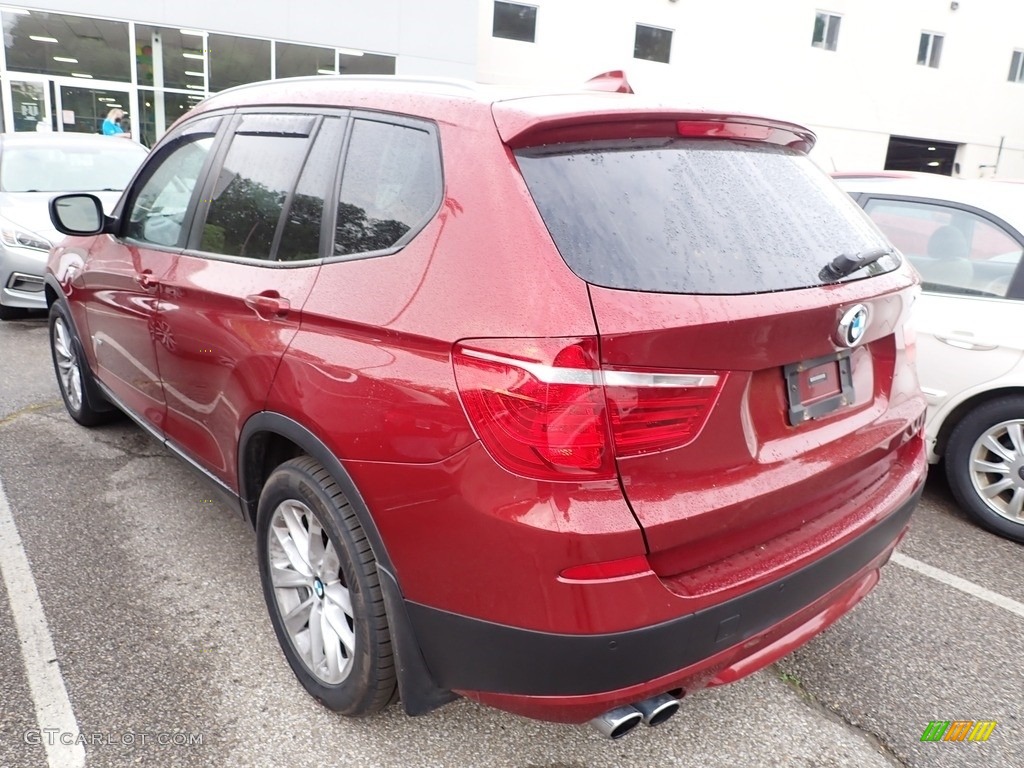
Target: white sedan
{"x":966,"y":238}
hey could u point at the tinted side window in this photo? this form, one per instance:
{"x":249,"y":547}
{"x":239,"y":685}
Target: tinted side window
{"x":955,"y":250}
{"x":390,"y":187}
{"x":253,"y":184}
{"x":300,"y":238}
{"x":157,"y":212}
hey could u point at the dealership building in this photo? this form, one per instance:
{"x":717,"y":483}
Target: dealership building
{"x":935,"y":85}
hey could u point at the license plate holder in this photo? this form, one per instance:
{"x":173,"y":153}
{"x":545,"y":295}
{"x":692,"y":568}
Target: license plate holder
{"x":817,"y":387}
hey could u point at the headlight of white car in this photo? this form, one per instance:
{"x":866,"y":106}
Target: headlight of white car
{"x":14,"y":236}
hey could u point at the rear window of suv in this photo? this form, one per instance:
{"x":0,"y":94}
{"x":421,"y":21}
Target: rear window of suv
{"x":696,"y":216}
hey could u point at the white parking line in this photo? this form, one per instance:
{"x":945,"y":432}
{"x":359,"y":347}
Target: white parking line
{"x":968,"y":587}
{"x":49,"y":696}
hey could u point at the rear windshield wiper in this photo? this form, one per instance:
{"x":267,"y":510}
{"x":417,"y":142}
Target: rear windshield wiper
{"x":845,"y":264}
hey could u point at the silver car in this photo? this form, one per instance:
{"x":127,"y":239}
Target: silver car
{"x":33,"y":168}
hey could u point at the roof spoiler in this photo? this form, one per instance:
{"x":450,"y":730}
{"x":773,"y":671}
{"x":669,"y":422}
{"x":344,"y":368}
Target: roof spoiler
{"x":614,"y":82}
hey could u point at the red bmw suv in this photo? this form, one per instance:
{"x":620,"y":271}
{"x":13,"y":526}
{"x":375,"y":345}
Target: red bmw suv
{"x":568,"y":404}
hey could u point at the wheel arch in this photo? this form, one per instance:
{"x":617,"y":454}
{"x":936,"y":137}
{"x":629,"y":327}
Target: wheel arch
{"x":94,"y":394}
{"x":961,"y":409}
{"x":267,"y":440}
{"x":51,"y":291}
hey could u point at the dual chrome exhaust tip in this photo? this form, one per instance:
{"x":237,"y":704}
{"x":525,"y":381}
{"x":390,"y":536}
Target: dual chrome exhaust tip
{"x":616,"y":723}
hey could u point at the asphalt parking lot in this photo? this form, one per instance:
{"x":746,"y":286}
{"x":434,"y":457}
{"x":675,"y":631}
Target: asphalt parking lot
{"x":133,"y":632}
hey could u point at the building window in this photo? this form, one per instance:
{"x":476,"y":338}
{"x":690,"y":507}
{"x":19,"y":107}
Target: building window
{"x":236,"y":61}
{"x":294,"y":60}
{"x":1017,"y":67}
{"x":826,"y":30}
{"x":158,"y":110}
{"x":182,"y":57}
{"x":514,"y":21}
{"x":67,"y":46}
{"x":652,"y":44}
{"x":352,"y":62}
{"x":930,"y":49}
{"x":84,"y":109}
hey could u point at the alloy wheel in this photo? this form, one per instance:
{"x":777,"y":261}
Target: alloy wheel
{"x":310,"y":591}
{"x":68,"y":366}
{"x":997,"y":469}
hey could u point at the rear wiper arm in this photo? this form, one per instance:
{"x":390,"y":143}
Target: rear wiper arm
{"x":845,"y":264}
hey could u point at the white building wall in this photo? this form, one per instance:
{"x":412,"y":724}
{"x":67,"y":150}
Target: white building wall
{"x":436,"y":38}
{"x":743,"y":55}
{"x":753,"y":56}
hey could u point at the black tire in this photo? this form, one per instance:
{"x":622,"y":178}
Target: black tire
{"x":302,"y":492}
{"x":83,"y":401}
{"x":998,"y":420}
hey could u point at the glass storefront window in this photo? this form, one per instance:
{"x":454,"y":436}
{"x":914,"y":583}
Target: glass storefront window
{"x":175,"y":105}
{"x":355,"y":63}
{"x":72,"y":46}
{"x":29,"y":101}
{"x":173,"y":68}
{"x":183,"y":57}
{"x":293,"y":60}
{"x":83,"y":110}
{"x":237,"y":60}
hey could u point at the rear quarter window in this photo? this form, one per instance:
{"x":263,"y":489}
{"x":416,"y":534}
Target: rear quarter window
{"x":391,"y":186}
{"x":696,"y":216}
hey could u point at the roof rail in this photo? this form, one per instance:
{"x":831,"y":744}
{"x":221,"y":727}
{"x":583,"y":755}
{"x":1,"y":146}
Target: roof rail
{"x":456,"y":83}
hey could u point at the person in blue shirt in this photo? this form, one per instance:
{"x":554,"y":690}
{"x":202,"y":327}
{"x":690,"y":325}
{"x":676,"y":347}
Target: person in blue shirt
{"x":112,"y":125}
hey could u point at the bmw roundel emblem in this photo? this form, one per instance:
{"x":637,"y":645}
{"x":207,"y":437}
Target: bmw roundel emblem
{"x":852,"y":326}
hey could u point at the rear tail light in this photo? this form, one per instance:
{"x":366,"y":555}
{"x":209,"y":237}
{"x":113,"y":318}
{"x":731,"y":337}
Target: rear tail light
{"x":545,"y":409}
{"x":656,"y":410}
{"x":537,"y":406}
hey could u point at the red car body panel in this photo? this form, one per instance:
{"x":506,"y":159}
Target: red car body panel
{"x":504,"y":542}
{"x":220,"y":349}
{"x":749,"y":477}
{"x":119,"y":290}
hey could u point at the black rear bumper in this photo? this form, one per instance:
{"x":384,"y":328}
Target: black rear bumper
{"x":463,"y":653}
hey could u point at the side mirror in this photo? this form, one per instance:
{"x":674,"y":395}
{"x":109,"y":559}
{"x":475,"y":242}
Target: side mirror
{"x":77,"y":214}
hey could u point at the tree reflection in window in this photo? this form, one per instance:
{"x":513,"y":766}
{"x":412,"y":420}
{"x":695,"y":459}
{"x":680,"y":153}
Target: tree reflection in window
{"x":356,"y":233}
{"x":258,"y":173}
{"x":391,"y":184}
{"x":300,"y":239}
